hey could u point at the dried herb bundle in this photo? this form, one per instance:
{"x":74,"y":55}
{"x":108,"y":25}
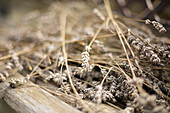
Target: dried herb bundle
{"x":75,"y":55}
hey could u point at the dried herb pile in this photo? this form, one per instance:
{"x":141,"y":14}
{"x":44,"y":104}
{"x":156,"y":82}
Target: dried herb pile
{"x":92,"y":54}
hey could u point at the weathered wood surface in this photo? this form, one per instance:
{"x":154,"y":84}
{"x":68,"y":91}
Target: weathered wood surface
{"x":70,"y":99}
{"x":30,"y":98}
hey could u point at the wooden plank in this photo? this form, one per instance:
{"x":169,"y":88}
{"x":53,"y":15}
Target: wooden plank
{"x":70,"y":99}
{"x":30,"y":98}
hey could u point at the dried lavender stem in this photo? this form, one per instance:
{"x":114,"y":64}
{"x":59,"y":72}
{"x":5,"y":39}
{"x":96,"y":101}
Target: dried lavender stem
{"x":28,"y":63}
{"x":4,"y":89}
{"x":105,"y":76}
{"x":31,"y":74}
{"x":97,"y":32}
{"x":127,"y":77}
{"x":129,"y":46}
{"x":126,"y":18}
{"x":63,"y":25}
{"x":39,"y":63}
{"x":18,"y":53}
{"x":120,"y":34}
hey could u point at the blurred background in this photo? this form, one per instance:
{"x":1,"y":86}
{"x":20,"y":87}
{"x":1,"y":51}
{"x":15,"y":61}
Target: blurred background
{"x":12,"y":10}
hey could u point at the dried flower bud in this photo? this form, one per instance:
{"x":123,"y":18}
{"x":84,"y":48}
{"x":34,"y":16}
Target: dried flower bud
{"x":157,"y":25}
{"x":144,"y":50}
{"x":136,"y":80}
{"x":108,"y":96}
{"x":103,"y":71}
{"x":17,"y":82}
{"x":9,"y":66}
{"x":99,"y":14}
{"x":16,"y":61}
{"x":147,"y":21}
{"x":6,"y":74}
{"x":2,"y":78}
{"x":98,"y":94}
{"x":88,"y":48}
{"x":27,"y":77}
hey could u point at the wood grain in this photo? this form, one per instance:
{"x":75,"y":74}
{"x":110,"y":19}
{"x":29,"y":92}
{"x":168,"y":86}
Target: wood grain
{"x":29,"y":98}
{"x":32,"y":98}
